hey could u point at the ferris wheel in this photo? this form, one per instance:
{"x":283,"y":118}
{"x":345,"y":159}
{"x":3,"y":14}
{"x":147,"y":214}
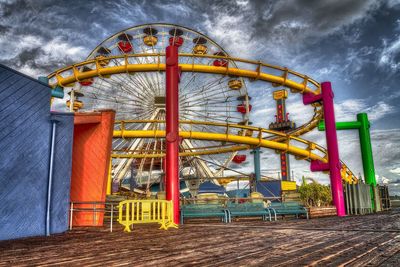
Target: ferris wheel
{"x":139,"y":99}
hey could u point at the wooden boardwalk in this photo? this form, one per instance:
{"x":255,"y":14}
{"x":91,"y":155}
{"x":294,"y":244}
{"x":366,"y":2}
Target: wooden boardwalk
{"x":352,"y":241}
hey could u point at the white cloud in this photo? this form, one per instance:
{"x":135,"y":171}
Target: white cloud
{"x":395,"y":171}
{"x":175,"y":8}
{"x":347,"y":110}
{"x":381,"y":179}
{"x":393,"y":3}
{"x":379,"y":110}
{"x":235,"y":40}
{"x":389,"y":53}
{"x":242,"y":3}
{"x":8,"y":51}
{"x":58,"y":48}
{"x":33,"y":55}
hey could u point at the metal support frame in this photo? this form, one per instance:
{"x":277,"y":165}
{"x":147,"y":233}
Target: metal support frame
{"x":362,"y":125}
{"x":172,"y":129}
{"x":257,"y":164}
{"x":333,"y":165}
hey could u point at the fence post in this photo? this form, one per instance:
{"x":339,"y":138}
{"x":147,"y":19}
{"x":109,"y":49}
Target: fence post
{"x":112,"y":217}
{"x":71,"y":214}
{"x":94,"y":214}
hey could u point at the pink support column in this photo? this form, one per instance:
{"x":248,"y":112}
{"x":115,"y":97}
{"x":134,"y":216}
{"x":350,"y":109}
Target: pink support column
{"x":333,"y":165}
{"x":172,"y":128}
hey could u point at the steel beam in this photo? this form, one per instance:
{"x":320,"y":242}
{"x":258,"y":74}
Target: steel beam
{"x":334,"y":165}
{"x":172,"y":129}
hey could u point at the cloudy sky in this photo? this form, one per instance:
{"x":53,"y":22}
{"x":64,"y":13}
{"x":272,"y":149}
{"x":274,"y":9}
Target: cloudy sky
{"x":355,"y":44}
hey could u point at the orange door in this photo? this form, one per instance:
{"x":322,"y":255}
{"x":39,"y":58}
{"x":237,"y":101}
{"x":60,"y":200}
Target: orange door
{"x":90,"y":161}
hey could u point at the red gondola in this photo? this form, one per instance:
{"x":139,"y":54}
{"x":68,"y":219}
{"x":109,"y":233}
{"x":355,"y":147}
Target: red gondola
{"x":242,"y":108}
{"x":177,"y":41}
{"x":220,"y":62}
{"x":176,"y":38}
{"x":86,"y":82}
{"x":125,"y":42}
{"x":239,"y":159}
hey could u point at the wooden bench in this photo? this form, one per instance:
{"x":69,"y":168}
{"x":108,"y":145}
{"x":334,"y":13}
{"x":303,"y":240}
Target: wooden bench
{"x":247,"y":209}
{"x":204,"y":211}
{"x":288,"y":208}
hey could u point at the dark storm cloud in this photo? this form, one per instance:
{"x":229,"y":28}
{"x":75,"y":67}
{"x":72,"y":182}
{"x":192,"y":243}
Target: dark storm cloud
{"x":320,"y":17}
{"x":27,"y":56}
{"x":3,"y":29}
{"x":82,"y":24}
{"x":353,"y":43}
{"x":288,"y":20}
{"x":271,"y":23}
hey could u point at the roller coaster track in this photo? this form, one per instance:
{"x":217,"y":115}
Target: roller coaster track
{"x":302,"y":149}
{"x":254,"y":70}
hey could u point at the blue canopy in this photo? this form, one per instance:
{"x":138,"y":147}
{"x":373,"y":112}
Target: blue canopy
{"x":209,"y":187}
{"x":270,"y":188}
{"x":182,"y":186}
{"x":241,"y":193}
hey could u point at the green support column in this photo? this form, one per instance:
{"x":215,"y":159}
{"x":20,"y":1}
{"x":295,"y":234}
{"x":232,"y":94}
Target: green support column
{"x":366,"y":154}
{"x":366,"y":149}
{"x":363,"y":125}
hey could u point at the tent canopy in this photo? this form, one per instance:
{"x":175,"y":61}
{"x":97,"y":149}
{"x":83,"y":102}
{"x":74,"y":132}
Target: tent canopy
{"x":209,"y":187}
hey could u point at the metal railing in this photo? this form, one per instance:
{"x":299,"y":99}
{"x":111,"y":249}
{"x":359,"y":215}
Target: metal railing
{"x":107,"y":207}
{"x":223,"y":200}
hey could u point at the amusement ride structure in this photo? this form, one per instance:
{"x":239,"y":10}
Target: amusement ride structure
{"x":136,"y":73}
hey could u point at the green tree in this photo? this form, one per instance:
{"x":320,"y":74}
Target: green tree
{"x":315,"y":194}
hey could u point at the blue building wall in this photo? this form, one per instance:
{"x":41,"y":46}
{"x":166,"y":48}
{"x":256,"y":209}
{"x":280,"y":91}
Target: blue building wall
{"x":25,"y":132}
{"x":62,"y":172}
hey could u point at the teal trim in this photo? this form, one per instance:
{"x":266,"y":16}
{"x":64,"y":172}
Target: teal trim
{"x":58,"y":92}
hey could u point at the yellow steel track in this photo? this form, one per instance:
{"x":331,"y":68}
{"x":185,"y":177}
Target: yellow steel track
{"x":71,"y":74}
{"x":302,"y":149}
{"x":254,"y":70}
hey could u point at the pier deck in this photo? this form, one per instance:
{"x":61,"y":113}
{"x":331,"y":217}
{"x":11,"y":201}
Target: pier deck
{"x":351,"y":241}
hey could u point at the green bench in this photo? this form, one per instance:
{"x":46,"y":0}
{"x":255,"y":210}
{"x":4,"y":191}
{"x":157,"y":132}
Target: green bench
{"x":288,"y":208}
{"x":247,"y":209}
{"x":204,"y":211}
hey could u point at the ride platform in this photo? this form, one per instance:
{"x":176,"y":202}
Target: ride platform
{"x":351,"y":241}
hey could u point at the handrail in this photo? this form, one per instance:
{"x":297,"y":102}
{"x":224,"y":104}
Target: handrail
{"x":94,"y":209}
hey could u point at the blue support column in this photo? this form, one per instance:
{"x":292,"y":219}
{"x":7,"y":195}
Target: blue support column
{"x":257,"y":165}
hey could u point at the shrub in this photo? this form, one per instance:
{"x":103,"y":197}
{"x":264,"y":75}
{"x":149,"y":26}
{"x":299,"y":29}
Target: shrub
{"x":315,"y":194}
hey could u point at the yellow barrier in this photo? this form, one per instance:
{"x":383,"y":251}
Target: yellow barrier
{"x":146,"y":211}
